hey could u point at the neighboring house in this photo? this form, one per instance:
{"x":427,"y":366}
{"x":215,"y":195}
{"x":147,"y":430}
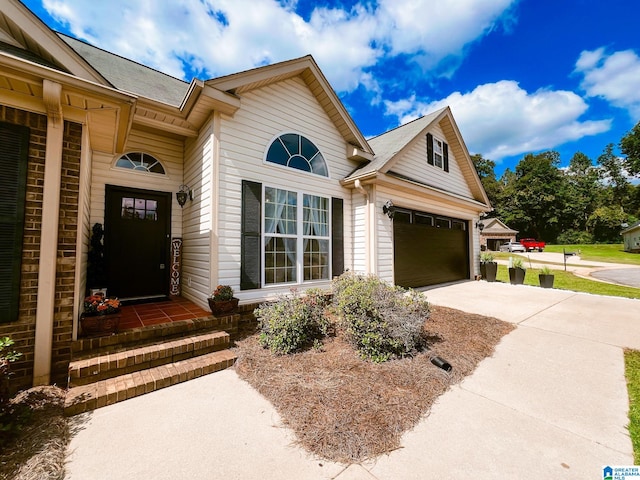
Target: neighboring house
{"x":631,"y":238}
{"x":495,"y":233}
{"x":283,"y":190}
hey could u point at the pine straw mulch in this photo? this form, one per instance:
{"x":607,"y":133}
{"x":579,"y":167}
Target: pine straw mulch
{"x":38,"y":452}
{"x":347,"y":410}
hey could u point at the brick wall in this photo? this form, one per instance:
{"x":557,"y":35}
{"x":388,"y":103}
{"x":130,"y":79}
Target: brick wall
{"x":23,"y":330}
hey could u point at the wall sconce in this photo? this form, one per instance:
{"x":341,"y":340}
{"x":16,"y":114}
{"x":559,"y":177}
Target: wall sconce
{"x":388,"y":209}
{"x":184,"y":193}
{"x":479,"y":223}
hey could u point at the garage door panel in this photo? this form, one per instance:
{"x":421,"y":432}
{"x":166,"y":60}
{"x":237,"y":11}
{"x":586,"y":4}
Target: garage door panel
{"x":425,"y":255}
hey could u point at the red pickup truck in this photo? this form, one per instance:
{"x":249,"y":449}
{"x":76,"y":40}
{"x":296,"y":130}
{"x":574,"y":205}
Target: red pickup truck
{"x":532,"y":244}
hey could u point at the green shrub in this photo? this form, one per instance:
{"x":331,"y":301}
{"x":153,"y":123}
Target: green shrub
{"x":380,"y":321}
{"x":293,"y":321}
{"x":11,"y":417}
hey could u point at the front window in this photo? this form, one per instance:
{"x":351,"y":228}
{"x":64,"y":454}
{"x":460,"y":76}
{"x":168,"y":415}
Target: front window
{"x":438,"y":152}
{"x":298,"y":152}
{"x":296,"y":240}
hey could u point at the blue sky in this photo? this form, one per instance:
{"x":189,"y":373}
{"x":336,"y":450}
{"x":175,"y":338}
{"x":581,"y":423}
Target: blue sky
{"x":521,"y":76}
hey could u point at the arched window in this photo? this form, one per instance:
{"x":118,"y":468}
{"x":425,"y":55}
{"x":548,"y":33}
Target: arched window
{"x":141,"y":162}
{"x":295,"y":151}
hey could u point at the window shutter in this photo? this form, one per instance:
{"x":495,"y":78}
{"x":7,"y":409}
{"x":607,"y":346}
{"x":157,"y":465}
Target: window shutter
{"x":14,"y":155}
{"x":251,"y":248}
{"x":429,"y":149}
{"x":445,"y":154}
{"x":337,"y":236}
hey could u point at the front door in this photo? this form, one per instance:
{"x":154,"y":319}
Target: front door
{"x":136,"y":241}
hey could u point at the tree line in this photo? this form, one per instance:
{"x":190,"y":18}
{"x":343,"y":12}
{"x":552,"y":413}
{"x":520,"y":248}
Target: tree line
{"x":585,"y":202}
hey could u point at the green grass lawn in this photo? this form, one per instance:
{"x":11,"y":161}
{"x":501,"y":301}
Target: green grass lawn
{"x":613,"y":253}
{"x":632,"y":372}
{"x":568,"y":281}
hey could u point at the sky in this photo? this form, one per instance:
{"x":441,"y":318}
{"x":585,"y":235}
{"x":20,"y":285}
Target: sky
{"x":520,"y":76}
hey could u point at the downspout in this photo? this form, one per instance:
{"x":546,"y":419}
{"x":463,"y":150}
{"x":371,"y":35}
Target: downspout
{"x":367,"y":226}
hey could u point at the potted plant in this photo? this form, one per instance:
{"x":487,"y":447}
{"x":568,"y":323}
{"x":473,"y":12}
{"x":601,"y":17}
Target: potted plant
{"x":100,"y":316}
{"x":488,"y":267}
{"x":516,"y":272}
{"x":222,"y":301}
{"x":546,"y":277}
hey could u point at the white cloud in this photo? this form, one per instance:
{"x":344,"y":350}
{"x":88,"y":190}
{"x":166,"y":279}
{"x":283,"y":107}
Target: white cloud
{"x":612,"y":77}
{"x":501,"y":119}
{"x":217,"y":37}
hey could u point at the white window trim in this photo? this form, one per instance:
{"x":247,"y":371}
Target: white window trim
{"x":299,"y":238}
{"x":438,"y":156}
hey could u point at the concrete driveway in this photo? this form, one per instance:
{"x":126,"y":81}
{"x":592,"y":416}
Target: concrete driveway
{"x":550,"y":403}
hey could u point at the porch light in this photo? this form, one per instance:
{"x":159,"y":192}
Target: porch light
{"x":184,"y":193}
{"x":479,"y":223}
{"x":388,"y":209}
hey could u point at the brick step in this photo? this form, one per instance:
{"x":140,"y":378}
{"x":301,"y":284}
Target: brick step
{"x":107,"y":392}
{"x":113,"y":364}
{"x":153,"y":333}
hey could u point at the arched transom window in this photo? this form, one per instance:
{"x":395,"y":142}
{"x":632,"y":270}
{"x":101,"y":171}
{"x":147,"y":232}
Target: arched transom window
{"x":140,"y":162}
{"x":295,"y":151}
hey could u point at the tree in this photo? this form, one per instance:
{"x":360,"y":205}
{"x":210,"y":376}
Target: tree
{"x":584,"y":192}
{"x":487,"y":174}
{"x":630,"y":146}
{"x":614,"y":175}
{"x":533,"y":199}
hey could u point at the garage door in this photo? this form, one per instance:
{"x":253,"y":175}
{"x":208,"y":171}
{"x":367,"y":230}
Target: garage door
{"x":429,"y":249}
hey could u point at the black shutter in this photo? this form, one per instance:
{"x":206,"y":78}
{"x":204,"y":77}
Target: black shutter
{"x":14,"y":155}
{"x":445,"y":152}
{"x":250,"y":248}
{"x":429,"y":149}
{"x":337,"y":236}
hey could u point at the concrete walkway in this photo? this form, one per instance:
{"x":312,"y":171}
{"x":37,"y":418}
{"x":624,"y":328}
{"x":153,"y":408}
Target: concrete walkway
{"x":550,"y":403}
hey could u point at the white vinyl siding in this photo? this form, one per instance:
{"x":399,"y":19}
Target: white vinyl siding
{"x":267,"y":112}
{"x":170,"y":153}
{"x":359,"y":206}
{"x":198,"y":259}
{"x":413,"y":164}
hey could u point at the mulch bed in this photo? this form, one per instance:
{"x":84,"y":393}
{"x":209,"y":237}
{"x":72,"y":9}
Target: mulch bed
{"x":39,"y":450}
{"x":345,"y":409}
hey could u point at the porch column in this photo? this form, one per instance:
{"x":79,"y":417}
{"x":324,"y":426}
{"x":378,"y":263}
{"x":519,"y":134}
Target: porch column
{"x":49,"y":234}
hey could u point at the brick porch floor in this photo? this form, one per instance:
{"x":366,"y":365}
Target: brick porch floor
{"x":165,"y":311}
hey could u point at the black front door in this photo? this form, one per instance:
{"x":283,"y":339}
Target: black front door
{"x":136,"y":241}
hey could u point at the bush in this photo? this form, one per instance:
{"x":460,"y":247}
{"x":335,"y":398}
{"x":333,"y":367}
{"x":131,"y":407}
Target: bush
{"x":380,"y":321}
{"x":10,"y":416}
{"x":293,"y":321}
{"x":574,"y":237}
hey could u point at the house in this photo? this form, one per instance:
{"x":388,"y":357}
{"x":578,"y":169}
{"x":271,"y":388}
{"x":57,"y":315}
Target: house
{"x":631,"y":238}
{"x":280,"y":188}
{"x":495,"y":233}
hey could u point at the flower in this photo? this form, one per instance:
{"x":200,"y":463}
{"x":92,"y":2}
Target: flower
{"x":99,"y":305}
{"x":222,"y":292}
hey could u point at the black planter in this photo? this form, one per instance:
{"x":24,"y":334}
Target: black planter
{"x":516,"y":276}
{"x":488,"y":271}
{"x":546,"y":281}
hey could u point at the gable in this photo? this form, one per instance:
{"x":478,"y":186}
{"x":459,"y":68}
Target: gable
{"x":413,"y":163}
{"x":405,"y":153}
{"x":34,"y":41}
{"x":306,"y":70}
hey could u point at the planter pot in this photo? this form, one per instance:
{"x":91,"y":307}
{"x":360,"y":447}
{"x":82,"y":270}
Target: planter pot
{"x":223,"y":307}
{"x":99,"y":325}
{"x":546,"y":281}
{"x":488,"y":271}
{"x":516,"y":276}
